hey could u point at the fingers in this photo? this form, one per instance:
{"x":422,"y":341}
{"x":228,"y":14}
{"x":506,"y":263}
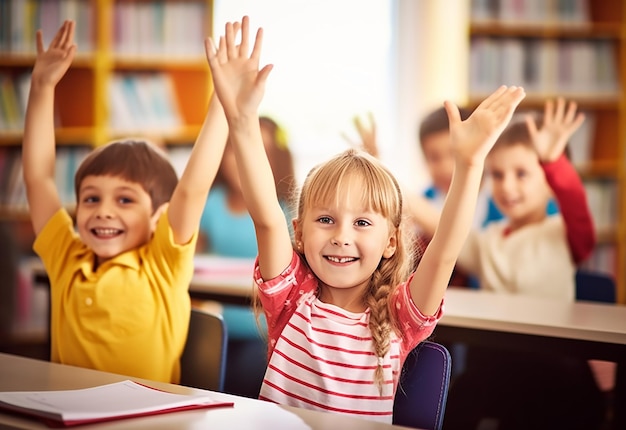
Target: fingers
{"x":229,"y":35}
{"x":63,"y":39}
{"x":548,"y":112}
{"x":245,"y":30}
{"x":493,"y":97}
{"x":570,"y":115}
{"x":231,"y":49}
{"x":264,"y":73}
{"x":454,"y":116}
{"x":531,"y":125}
{"x":68,"y":35}
{"x":258,"y":43}
{"x":58,"y":36}
{"x":39,"y":37}
{"x":556,"y":113}
{"x":514,"y":96}
{"x":504,"y":101}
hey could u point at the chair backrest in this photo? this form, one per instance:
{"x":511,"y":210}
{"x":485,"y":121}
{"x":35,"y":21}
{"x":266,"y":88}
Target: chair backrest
{"x":422,"y":393}
{"x":595,"y":287}
{"x":203,"y":363}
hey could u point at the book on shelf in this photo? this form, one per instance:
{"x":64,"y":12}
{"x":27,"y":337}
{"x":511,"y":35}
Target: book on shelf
{"x":580,"y":145}
{"x":21,"y":19}
{"x":586,"y":68}
{"x":570,"y":12}
{"x":159,"y":28}
{"x":13,"y":97}
{"x":120,"y":400}
{"x":143,"y":101}
{"x":12,"y":188}
{"x":602,"y":200}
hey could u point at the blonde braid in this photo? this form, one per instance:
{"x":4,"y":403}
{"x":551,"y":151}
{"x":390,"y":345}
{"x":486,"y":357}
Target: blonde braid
{"x":380,"y":322}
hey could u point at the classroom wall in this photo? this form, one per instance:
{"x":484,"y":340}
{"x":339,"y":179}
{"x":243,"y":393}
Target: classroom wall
{"x":432,"y":63}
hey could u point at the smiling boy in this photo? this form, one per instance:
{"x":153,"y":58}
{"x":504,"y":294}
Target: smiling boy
{"x":119,"y":277}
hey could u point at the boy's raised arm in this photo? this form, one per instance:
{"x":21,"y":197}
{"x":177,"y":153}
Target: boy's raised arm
{"x":472,"y":139}
{"x":240,"y":85}
{"x":38,"y":149}
{"x":558,"y":125}
{"x":189,"y":197}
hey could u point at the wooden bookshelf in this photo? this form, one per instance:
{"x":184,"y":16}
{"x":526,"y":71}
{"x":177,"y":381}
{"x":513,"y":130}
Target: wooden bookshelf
{"x":161,"y":41}
{"x":575,"y":49}
{"x":125,"y":37}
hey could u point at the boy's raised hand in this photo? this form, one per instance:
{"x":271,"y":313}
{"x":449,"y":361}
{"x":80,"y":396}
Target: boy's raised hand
{"x":238,"y":81}
{"x":558,"y":126}
{"x":473,"y":138}
{"x":51,"y":64}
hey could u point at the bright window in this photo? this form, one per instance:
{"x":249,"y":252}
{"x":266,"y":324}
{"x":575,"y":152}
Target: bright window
{"x":332,"y":61}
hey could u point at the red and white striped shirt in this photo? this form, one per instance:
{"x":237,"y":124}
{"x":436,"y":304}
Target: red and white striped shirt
{"x":322,"y":357}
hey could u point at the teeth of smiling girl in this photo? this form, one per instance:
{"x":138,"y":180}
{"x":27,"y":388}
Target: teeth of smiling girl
{"x":341,"y":260}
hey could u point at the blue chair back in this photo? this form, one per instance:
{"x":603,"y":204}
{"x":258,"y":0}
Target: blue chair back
{"x":595,"y":287}
{"x":203,"y":363}
{"x":422,"y":393}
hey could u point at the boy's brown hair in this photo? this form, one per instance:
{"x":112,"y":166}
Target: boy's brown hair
{"x":516,"y":134}
{"x":134,"y":161}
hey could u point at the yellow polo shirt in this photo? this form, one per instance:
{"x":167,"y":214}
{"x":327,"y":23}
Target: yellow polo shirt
{"x":131,"y":315}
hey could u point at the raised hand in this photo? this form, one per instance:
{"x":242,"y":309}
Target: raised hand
{"x":51,"y":64}
{"x":473,"y":138}
{"x":238,"y":82}
{"x":558,"y":126}
{"x":367,"y":134}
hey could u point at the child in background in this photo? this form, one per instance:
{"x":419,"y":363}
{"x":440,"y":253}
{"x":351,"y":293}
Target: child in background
{"x":530,"y":252}
{"x":342,"y":306}
{"x":227,"y":230}
{"x":119,"y":285}
{"x":434,"y":139}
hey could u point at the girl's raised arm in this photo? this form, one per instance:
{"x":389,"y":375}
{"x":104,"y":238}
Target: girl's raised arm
{"x":240,"y":85}
{"x":471,"y":139}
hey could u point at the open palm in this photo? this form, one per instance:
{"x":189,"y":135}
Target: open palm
{"x":51,"y":64}
{"x":239,"y":83}
{"x":473,"y":138}
{"x":557,"y":128}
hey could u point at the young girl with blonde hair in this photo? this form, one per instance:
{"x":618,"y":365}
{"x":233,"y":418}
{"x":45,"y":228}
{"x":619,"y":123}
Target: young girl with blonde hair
{"x":342,"y":309}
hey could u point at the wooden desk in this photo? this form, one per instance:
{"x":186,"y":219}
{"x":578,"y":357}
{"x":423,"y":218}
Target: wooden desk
{"x":580,"y":329}
{"x":25,"y":374}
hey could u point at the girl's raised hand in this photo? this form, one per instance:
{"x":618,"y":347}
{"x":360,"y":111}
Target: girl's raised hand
{"x":238,"y":82}
{"x":558,"y":126}
{"x":51,"y":64}
{"x":473,"y":138}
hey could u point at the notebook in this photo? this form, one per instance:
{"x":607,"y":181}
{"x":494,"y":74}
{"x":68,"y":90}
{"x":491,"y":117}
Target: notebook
{"x":119,"y":400}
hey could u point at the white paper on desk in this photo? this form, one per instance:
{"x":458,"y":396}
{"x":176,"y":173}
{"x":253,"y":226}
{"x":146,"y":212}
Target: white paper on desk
{"x":223,"y":266}
{"x":256,"y":414}
{"x":120,"y":399}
